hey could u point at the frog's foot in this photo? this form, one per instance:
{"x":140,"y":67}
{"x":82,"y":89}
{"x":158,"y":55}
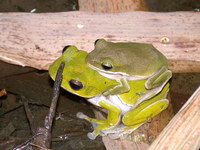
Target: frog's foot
{"x":121,"y":131}
{"x":116,"y":132}
{"x":81,"y":115}
{"x":113,"y":119}
{"x":92,"y":135}
{"x":120,"y":135}
{"x":95,"y":133}
{"x":102,"y":129}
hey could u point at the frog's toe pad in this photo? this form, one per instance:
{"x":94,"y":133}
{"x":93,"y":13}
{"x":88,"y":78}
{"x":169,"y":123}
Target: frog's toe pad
{"x":81,"y":115}
{"x":91,"y":135}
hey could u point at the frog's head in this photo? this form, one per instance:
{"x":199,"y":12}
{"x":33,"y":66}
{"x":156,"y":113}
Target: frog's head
{"x":135,"y":59}
{"x":78,"y":78}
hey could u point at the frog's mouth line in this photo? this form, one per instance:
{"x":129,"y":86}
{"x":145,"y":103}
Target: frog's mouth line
{"x":117,"y":75}
{"x":79,"y":94}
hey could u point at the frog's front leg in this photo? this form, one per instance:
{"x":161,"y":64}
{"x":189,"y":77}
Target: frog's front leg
{"x":123,"y":87}
{"x":112,"y":120}
{"x":159,"y":79}
{"x":154,"y":85}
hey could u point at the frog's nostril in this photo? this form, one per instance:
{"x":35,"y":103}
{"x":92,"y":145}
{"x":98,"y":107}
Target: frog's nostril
{"x":75,"y":84}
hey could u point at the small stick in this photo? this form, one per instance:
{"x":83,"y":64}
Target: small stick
{"x":49,"y":119}
{"x":30,"y":116}
{"x":52,"y":112}
{"x":42,"y":137}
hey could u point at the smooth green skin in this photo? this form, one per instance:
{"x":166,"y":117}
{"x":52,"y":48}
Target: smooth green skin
{"x":130,"y":61}
{"x":95,"y":84}
{"x":77,"y":69}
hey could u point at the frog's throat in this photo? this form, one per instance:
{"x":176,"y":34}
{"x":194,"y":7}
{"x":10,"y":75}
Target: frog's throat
{"x":118,"y":75}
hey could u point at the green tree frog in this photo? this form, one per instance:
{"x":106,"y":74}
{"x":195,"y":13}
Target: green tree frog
{"x":130,"y":61}
{"x":80,"y":79}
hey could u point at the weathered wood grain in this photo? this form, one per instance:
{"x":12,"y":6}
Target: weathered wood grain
{"x":36,"y":40}
{"x":183,"y":131}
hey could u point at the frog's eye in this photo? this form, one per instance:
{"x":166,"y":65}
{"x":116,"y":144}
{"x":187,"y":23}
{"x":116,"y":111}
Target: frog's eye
{"x":106,"y":66}
{"x":96,"y":41}
{"x":75,"y":84}
{"x":65,"y":48}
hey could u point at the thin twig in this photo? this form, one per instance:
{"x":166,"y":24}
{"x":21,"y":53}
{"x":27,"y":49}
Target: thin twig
{"x":10,"y":110}
{"x":57,"y":84}
{"x":30,"y":117}
{"x":44,"y":140}
{"x":26,"y":143}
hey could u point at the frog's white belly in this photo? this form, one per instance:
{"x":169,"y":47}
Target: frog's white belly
{"x":112,"y":99}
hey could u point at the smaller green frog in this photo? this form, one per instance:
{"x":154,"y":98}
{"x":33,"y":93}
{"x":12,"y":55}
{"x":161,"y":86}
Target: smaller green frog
{"x":80,"y":79}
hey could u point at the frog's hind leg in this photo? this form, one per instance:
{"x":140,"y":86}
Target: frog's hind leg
{"x":135,"y":118}
{"x":144,"y":112}
{"x":138,"y":115}
{"x":112,"y":120}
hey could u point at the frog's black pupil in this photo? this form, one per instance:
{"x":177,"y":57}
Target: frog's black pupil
{"x":75,"y":84}
{"x":65,"y":48}
{"x":106,"y":66}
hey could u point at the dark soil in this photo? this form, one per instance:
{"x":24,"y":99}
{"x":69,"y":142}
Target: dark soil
{"x":35,"y":87}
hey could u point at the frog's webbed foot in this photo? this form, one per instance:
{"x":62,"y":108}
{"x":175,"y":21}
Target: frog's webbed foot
{"x":113,"y":119}
{"x":121,"y":131}
{"x":81,"y":115}
{"x":92,"y":135}
{"x":120,"y":135}
{"x":94,"y":122}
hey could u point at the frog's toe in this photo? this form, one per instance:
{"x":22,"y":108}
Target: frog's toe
{"x":91,"y":135}
{"x":81,"y":115}
{"x":94,"y":125}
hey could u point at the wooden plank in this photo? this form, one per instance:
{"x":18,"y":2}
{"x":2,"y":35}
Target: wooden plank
{"x":112,"y":6}
{"x":36,"y":40}
{"x":183,"y":131}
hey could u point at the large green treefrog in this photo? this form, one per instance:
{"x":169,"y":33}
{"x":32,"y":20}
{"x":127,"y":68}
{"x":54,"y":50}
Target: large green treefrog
{"x":130,"y":61}
{"x":80,"y":79}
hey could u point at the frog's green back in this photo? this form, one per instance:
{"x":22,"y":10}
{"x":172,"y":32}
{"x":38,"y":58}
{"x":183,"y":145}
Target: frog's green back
{"x":137,"y":59}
